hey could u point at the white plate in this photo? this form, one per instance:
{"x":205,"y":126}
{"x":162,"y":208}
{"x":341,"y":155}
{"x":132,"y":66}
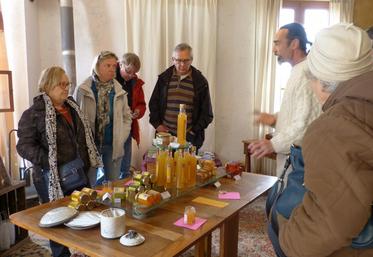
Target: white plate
{"x":84,"y":220}
{"x":57,"y":216}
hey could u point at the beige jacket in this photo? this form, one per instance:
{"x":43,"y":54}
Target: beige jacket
{"x":338,"y":159}
{"x":122,"y":113}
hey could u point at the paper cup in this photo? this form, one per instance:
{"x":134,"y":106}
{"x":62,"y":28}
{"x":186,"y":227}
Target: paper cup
{"x":113,"y":223}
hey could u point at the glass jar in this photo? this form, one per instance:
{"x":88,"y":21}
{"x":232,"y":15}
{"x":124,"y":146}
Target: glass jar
{"x":189,"y":215}
{"x":79,"y":197}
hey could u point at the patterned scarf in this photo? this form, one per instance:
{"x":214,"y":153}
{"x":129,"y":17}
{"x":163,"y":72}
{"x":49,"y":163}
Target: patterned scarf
{"x":54,"y":188}
{"x":103,"y":107}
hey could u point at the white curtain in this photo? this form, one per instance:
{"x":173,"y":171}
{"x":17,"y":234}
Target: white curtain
{"x":152,"y":29}
{"x":267,"y":19}
{"x":6,"y":120}
{"x":341,"y":11}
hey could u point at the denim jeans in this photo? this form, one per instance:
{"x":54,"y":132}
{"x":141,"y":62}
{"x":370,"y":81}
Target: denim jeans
{"x":126,"y":161}
{"x":40,"y":178}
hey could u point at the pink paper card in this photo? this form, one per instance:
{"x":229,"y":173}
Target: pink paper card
{"x":199,"y":222}
{"x":229,"y":195}
{"x":128,"y":182}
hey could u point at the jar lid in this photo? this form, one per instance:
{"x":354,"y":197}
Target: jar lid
{"x":132,"y":238}
{"x":163,"y":134}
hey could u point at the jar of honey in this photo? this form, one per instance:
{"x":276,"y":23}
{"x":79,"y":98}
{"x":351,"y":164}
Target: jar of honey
{"x":79,"y":197}
{"x":90,"y":205}
{"x":189,"y":215}
{"x":156,"y":195}
{"x":163,"y":137}
{"x":77,"y":206}
{"x":89,"y":191}
{"x":144,"y":199}
{"x":234,"y":168}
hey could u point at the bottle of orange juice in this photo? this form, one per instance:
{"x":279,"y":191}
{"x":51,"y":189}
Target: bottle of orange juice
{"x":188,"y":158}
{"x":160,"y":169}
{"x":180,"y":170}
{"x":181,"y":125}
{"x":192,"y":167}
{"x":170,"y":170}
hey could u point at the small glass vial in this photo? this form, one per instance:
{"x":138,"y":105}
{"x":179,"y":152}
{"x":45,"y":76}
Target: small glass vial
{"x":107,"y":187}
{"x":189,"y":215}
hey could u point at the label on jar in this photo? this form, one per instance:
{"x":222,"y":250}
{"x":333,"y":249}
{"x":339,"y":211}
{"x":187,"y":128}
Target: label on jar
{"x":217,"y":184}
{"x":165,"y":195}
{"x":237,"y":177}
{"x":143,"y":196}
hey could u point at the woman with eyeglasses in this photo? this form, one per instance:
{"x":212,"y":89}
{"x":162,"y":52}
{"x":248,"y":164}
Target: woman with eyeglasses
{"x":126,"y":75}
{"x":105,"y":104}
{"x":52,"y":133}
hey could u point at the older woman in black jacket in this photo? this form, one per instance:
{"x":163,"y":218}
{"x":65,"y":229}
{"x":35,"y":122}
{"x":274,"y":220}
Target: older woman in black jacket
{"x":52,"y":133}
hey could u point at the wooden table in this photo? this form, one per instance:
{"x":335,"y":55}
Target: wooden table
{"x":162,"y":237}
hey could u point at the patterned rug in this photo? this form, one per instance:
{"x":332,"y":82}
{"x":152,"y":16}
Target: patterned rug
{"x":253,"y":240}
{"x":36,"y":246}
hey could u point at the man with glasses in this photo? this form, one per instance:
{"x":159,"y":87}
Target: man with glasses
{"x":182,"y":84}
{"x":126,"y":76}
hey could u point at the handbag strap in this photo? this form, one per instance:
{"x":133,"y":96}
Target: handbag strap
{"x":282,"y":177}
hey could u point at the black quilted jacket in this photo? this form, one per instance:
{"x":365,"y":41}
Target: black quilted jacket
{"x":33,"y":146}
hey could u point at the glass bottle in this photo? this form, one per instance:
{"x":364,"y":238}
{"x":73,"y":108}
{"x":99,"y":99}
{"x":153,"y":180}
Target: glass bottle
{"x":189,"y":215}
{"x":181,"y":171}
{"x":160,"y":170}
{"x":181,"y":125}
{"x":170,"y":170}
{"x":192,"y":167}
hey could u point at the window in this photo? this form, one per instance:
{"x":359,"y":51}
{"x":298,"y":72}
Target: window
{"x":314,"y":16}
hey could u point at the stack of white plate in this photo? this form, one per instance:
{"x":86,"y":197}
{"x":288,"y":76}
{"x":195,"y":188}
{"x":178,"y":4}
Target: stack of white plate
{"x":85,"y":220}
{"x":57,"y":216}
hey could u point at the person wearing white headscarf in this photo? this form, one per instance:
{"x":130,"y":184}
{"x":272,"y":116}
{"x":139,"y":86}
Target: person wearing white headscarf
{"x":105,"y":103}
{"x":337,"y":150}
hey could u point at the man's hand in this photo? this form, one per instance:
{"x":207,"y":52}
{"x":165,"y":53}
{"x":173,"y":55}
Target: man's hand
{"x":162,"y":128}
{"x":261,"y":148}
{"x":135,"y":114}
{"x":265,"y":118}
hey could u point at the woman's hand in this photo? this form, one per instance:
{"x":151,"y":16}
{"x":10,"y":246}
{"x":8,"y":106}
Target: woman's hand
{"x":135,"y":114}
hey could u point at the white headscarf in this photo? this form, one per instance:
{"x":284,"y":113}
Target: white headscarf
{"x":340,"y":52}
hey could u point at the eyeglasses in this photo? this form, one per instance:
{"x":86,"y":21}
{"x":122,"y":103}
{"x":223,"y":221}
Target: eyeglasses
{"x":181,"y":60}
{"x":128,"y":70}
{"x":64,"y":85}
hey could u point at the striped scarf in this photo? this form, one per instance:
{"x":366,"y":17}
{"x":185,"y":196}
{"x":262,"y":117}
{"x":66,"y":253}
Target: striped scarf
{"x":103,"y":107}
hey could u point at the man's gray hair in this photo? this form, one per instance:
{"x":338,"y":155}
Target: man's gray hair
{"x":182,"y":47}
{"x":328,"y":86}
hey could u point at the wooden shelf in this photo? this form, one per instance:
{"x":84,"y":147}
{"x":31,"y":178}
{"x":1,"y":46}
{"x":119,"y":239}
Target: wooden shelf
{"x":14,"y":185}
{"x":12,"y":200}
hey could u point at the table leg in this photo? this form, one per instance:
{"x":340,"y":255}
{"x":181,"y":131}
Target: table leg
{"x":203,"y":247}
{"x":247,"y":156}
{"x":229,"y":237}
{"x":248,"y":162}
